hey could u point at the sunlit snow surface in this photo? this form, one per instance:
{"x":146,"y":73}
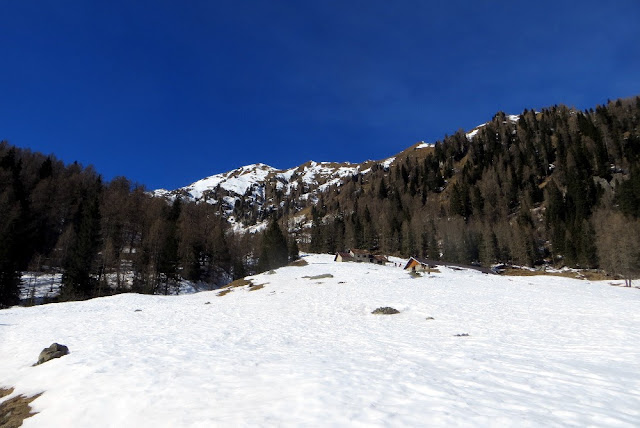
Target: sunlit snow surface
{"x":541,"y":351}
{"x":424,"y":145}
{"x":237,"y":181}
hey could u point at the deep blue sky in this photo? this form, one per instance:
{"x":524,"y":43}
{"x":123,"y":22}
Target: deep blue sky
{"x":168,"y":92}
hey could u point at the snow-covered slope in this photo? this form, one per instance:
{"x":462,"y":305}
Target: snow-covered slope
{"x":237,"y":181}
{"x":540,"y":351}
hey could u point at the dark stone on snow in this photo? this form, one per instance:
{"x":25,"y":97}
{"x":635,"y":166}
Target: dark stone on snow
{"x":323,"y":276}
{"x":54,"y":351}
{"x":429,"y":318}
{"x":385,"y":311}
{"x":462,"y":335}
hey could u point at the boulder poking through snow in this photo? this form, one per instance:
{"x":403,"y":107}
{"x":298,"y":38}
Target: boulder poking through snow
{"x":54,"y":351}
{"x":385,"y":311}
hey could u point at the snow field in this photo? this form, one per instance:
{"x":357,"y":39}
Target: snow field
{"x":541,"y":351}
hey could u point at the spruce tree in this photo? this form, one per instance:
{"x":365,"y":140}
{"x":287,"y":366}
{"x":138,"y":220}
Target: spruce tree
{"x":78,"y":280}
{"x":13,"y":241}
{"x":168,"y":261}
{"x":294,"y":252}
{"x":274,"y":250}
{"x":316,"y":245}
{"x":9,"y":269}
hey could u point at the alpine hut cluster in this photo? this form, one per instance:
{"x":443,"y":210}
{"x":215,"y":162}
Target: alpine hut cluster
{"x":361,"y":256}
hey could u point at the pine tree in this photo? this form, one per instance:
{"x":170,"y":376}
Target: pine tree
{"x":9,"y":269}
{"x":629,"y":194}
{"x":274,"y":250}
{"x":317,"y":233}
{"x":12,"y":237}
{"x":294,"y":252}
{"x":78,"y":281}
{"x":168,"y":262}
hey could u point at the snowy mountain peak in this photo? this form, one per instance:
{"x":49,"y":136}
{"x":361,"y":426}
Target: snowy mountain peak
{"x":246,"y":195}
{"x":261,"y":188}
{"x":237,"y":181}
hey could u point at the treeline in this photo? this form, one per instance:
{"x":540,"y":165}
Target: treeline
{"x":558,"y":186}
{"x":112,"y":237}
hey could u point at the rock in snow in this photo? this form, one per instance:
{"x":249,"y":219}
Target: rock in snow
{"x":386,"y":310}
{"x":54,"y":351}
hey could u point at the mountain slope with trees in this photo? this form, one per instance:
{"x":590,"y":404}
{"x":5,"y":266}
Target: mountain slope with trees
{"x":557,"y":186}
{"x":107,"y":237}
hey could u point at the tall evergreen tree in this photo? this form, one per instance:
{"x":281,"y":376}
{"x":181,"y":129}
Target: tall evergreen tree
{"x":168,"y":262}
{"x":9,"y":268}
{"x":274,"y":251}
{"x":78,"y":278}
{"x":294,"y":251}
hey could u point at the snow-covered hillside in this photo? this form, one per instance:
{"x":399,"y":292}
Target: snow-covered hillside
{"x":305,"y":351}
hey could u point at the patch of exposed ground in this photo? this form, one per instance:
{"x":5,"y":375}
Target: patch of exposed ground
{"x":15,"y":410}
{"x":299,"y":263}
{"x":586,"y":274}
{"x":421,"y":273}
{"x":238,"y":283}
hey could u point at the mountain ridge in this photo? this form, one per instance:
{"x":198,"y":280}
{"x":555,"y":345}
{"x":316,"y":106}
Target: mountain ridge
{"x":258,"y":183}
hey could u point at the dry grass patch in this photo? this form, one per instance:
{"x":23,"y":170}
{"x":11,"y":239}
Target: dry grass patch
{"x":524,"y":272}
{"x":15,"y":410}
{"x":587,"y":275}
{"x":593,"y":276}
{"x":238,"y":283}
{"x":299,"y":263}
{"x":223,"y":292}
{"x":229,"y":287}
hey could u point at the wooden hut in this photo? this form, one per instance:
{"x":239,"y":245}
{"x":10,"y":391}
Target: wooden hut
{"x":343,"y":257}
{"x":360,"y":255}
{"x":416,"y":264}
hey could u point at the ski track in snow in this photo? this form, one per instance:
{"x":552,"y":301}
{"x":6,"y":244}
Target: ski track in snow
{"x":541,"y":351}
